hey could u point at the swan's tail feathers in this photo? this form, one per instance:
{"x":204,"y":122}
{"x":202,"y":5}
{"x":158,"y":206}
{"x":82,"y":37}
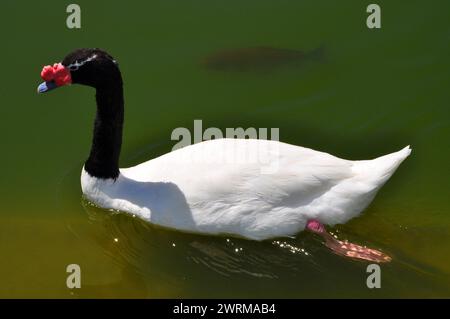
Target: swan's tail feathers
{"x":380,"y":169}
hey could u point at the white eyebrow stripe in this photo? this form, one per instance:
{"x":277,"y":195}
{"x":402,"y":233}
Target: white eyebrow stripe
{"x":76,"y":65}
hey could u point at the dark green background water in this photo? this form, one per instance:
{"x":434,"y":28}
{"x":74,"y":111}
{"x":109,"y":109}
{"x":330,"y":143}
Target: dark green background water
{"x":374,"y":92}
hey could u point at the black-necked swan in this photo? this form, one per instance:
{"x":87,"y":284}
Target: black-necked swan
{"x":209,"y":187}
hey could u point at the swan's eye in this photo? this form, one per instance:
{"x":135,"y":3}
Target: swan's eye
{"x":76,"y":65}
{"x":73,"y":67}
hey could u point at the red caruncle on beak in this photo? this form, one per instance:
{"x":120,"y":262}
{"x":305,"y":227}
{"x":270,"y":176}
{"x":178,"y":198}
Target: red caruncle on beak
{"x":57,"y":73}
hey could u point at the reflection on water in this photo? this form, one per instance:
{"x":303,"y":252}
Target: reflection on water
{"x":152,"y":259}
{"x":136,"y":242}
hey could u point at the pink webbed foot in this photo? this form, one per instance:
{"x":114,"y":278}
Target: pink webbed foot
{"x":344,"y":248}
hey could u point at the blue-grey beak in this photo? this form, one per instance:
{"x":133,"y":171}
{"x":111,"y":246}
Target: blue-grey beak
{"x":46,"y":86}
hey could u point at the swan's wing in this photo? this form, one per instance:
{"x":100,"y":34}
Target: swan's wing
{"x":300,"y":183}
{"x":241,"y":171}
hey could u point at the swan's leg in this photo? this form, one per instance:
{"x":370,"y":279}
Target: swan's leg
{"x":345,"y":248}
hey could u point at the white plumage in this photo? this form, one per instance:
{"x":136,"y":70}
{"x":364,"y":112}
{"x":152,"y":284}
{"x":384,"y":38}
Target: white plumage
{"x":256,"y":189}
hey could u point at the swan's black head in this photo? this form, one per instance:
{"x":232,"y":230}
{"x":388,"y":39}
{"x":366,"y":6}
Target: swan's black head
{"x":91,"y":67}
{"x":95,"y":68}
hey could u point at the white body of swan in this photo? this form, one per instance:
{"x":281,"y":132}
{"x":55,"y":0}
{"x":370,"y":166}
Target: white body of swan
{"x":256,"y":189}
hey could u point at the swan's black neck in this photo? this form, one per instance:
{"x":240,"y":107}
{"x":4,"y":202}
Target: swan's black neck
{"x":103,"y":161}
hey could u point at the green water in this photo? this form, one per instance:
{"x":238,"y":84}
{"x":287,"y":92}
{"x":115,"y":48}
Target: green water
{"x":374,"y":92}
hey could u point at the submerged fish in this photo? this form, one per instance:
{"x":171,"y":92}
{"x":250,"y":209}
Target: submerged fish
{"x":259,"y":58}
